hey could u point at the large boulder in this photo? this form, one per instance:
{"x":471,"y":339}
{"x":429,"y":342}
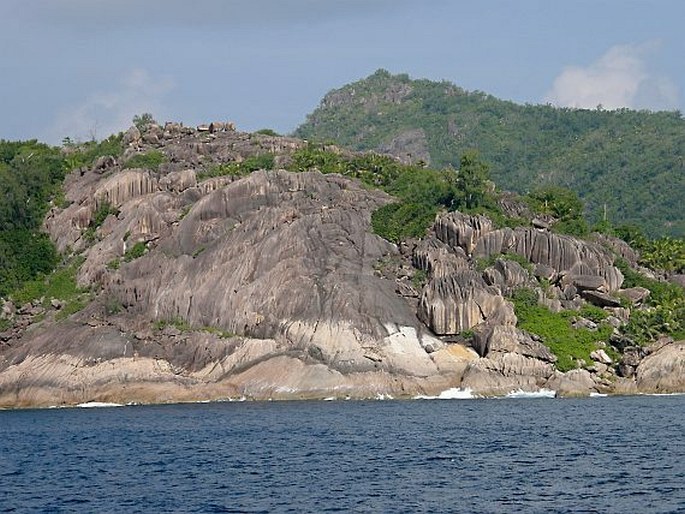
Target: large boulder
{"x":663,"y":371}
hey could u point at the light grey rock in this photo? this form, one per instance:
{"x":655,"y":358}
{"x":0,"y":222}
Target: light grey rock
{"x":635,"y":295}
{"x":663,"y":371}
{"x":600,"y":299}
{"x":577,"y":382}
{"x":601,"y":356}
{"x":458,"y":302}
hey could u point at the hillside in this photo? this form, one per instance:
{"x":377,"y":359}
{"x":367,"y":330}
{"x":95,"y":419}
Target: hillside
{"x":207,"y":263}
{"x":630,"y":163}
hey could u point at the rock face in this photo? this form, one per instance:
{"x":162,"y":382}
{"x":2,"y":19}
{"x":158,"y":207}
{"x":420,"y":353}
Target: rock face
{"x":269,"y":286}
{"x":663,"y":371}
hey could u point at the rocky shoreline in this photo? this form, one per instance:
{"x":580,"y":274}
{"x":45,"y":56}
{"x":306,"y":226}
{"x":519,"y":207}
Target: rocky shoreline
{"x":273,"y":286}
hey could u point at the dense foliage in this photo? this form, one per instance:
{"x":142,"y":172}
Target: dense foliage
{"x":664,"y":310}
{"x":31,"y":174}
{"x":572,"y":346}
{"x":626,"y":163}
{"x":420,"y":192}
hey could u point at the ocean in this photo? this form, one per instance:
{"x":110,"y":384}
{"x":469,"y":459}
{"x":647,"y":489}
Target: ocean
{"x":529,"y":455}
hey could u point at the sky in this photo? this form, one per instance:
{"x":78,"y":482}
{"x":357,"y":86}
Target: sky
{"x":84,"y":68}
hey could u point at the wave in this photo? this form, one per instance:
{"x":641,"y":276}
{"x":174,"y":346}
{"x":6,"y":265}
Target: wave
{"x":540,"y":393}
{"x":454,"y":393}
{"x":90,"y":405}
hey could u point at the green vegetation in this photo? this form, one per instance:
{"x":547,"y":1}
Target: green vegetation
{"x":59,"y":285}
{"x":263,"y":161}
{"x":31,"y":175}
{"x":149,"y":160}
{"x":663,"y":312}
{"x":629,"y":164}
{"x":136,"y":251}
{"x":420,"y":192}
{"x":141,"y":121}
{"x":569,"y":344}
{"x":664,"y":254}
{"x":267,"y":132}
{"x":77,"y":155}
{"x":183,"y":326}
{"x":564,"y":205}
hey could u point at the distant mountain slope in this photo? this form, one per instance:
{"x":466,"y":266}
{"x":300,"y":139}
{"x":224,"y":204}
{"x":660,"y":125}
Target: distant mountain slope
{"x":631,"y":163}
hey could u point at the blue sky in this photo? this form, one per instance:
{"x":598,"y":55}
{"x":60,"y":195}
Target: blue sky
{"x":83,"y":68}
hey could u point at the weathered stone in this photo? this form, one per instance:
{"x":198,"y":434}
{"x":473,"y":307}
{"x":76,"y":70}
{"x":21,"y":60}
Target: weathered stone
{"x":543,"y":271}
{"x":580,"y":322}
{"x":131,"y":136}
{"x":461,"y":230}
{"x":507,"y":338}
{"x":600,"y":299}
{"x":663,"y":371}
{"x":409,"y":146}
{"x":588,"y":282}
{"x":405,"y":288}
{"x":437,"y":259}
{"x":577,"y":382}
{"x":104,"y":163}
{"x":507,"y":275}
{"x":458,"y":302}
{"x":635,"y":295}
{"x":178,"y":181}
{"x":601,"y":356}
{"x":501,"y":373}
{"x":562,"y":253}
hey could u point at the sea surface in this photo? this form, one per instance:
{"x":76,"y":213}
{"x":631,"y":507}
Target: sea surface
{"x":603,"y":455}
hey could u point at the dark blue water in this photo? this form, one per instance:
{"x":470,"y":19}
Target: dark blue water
{"x":623,"y":455}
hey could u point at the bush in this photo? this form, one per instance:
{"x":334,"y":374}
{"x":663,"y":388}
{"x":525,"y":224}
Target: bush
{"x":398,"y":221}
{"x":150,"y":160}
{"x":136,"y":251}
{"x":263,"y":161}
{"x":567,"y":343}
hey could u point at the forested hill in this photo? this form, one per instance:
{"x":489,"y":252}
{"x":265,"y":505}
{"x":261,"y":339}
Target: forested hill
{"x":629,"y":164}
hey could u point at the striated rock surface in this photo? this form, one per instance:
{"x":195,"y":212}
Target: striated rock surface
{"x":273,"y":286}
{"x":458,"y":302}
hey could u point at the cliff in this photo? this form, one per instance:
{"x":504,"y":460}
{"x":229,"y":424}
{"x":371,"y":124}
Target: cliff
{"x":271,"y":284}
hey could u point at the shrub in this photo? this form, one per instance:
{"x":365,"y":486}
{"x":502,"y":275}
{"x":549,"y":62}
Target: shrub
{"x":136,"y":251}
{"x":150,"y":160}
{"x":567,"y":343}
{"x":240,"y":169}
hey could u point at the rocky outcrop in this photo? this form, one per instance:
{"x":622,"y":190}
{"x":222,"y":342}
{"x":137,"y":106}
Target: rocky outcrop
{"x":562,"y":253}
{"x":460,"y":301}
{"x":272,"y":285}
{"x":410,"y":147}
{"x":663,"y":370}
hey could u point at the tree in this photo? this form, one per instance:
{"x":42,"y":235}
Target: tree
{"x":471,"y":179}
{"x":141,"y":121}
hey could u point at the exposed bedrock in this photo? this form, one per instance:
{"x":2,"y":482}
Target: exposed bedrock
{"x":460,"y":301}
{"x":564,"y":254}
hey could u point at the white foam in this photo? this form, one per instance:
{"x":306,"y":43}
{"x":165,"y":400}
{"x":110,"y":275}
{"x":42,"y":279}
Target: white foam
{"x":598,"y":395}
{"x":90,"y":405}
{"x":540,"y":393}
{"x":454,"y":393}
{"x":381,"y":396}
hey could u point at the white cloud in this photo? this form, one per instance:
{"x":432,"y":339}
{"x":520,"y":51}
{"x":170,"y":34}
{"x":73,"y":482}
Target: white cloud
{"x":619,"y":78}
{"x":108,"y":112}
